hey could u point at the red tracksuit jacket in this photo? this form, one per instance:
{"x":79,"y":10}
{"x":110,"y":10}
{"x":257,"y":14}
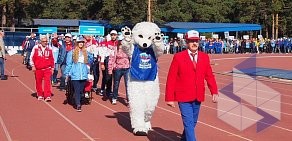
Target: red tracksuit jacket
{"x":42,"y":60}
{"x":184,"y":84}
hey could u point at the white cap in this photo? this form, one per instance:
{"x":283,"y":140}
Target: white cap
{"x":80,"y":39}
{"x":68,"y":35}
{"x":113,"y":32}
{"x":90,"y":77}
{"x":108,"y":37}
{"x":192,"y":35}
{"x":74,"y":37}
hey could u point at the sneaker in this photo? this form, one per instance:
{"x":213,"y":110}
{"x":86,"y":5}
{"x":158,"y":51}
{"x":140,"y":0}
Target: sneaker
{"x":114,"y":101}
{"x":48,"y":99}
{"x":78,"y":109}
{"x":40,"y":98}
{"x":86,"y":95}
{"x":101,"y":92}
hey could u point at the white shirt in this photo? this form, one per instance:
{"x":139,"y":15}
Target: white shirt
{"x":196,"y":56}
{"x":81,"y":57}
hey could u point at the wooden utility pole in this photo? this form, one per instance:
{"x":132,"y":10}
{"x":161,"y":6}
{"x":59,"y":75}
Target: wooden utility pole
{"x":3,"y":24}
{"x":277,"y":25}
{"x":273,"y":26}
{"x":149,"y":16}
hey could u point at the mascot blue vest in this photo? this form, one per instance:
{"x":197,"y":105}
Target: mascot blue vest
{"x":144,"y":64}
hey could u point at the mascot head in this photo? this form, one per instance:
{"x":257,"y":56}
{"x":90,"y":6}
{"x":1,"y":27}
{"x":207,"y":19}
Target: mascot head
{"x":144,"y":33}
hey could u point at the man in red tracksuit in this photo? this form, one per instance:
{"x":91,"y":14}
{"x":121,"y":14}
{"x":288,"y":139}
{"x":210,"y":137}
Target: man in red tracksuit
{"x":42,"y":63}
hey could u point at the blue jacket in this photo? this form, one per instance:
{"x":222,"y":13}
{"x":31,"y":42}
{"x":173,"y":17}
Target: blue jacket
{"x":31,"y":44}
{"x":63,"y":53}
{"x":77,"y":71}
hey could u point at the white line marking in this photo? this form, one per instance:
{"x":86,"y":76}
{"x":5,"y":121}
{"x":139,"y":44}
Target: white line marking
{"x":237,"y":58}
{"x":209,"y":125}
{"x":129,"y":118}
{"x":5,"y":129}
{"x":206,"y":124}
{"x":59,"y":113}
{"x":245,"y":88}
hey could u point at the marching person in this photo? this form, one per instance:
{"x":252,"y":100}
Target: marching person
{"x":76,"y":67}
{"x":185,"y":83}
{"x":32,"y":41}
{"x":42,"y":63}
{"x":92,"y":47}
{"x":66,"y":47}
{"x":2,"y":55}
{"x":56,"y":54}
{"x":111,"y":45}
{"x":119,"y":67}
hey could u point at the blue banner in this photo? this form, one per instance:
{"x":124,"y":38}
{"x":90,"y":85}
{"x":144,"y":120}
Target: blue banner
{"x":47,"y":30}
{"x":74,"y":33}
{"x":91,"y":30}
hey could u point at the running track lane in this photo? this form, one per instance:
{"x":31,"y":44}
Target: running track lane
{"x":174,"y":118}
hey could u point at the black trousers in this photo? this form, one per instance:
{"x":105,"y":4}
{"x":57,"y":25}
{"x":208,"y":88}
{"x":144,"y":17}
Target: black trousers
{"x":106,"y":78}
{"x":94,"y":69}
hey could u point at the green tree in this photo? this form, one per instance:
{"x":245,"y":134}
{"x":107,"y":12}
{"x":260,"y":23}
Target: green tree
{"x":120,"y":11}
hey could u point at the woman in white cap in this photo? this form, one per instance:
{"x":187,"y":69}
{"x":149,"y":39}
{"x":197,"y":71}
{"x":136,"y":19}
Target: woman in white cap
{"x":76,"y":68}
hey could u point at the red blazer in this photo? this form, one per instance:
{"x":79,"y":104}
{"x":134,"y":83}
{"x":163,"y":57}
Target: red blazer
{"x":185,"y":83}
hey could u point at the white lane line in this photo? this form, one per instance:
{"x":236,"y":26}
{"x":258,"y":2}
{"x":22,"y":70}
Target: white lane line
{"x":129,"y":118}
{"x":257,"y":57}
{"x":283,"y":128}
{"x":206,"y":124}
{"x":5,"y":129}
{"x":209,"y":125}
{"x":58,"y":112}
{"x":259,"y":90}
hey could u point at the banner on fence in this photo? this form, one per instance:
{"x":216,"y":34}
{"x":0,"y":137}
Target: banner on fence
{"x":91,"y":30}
{"x":45,"y":30}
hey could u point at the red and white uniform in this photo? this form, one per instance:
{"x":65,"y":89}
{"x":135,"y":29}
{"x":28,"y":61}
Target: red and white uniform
{"x":42,"y":59}
{"x":112,"y":47}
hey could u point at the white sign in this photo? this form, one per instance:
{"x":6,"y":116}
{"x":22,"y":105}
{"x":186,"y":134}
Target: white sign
{"x":12,"y":52}
{"x":216,"y":36}
{"x":226,"y":34}
{"x":246,"y":37}
{"x":231,"y":37}
{"x":203,"y":37}
{"x":180,"y":35}
{"x":260,"y":36}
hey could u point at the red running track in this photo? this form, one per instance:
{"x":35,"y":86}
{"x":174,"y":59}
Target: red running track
{"x":23,"y":118}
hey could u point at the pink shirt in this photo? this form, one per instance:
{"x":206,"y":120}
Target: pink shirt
{"x":120,"y":61}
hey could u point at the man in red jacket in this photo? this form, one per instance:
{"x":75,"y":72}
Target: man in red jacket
{"x":185,"y":83}
{"x":42,"y":63}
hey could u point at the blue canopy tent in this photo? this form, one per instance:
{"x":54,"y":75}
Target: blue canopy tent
{"x":183,"y":27}
{"x":103,"y":23}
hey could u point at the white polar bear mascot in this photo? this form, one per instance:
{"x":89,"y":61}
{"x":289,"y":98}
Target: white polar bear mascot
{"x":144,"y":45}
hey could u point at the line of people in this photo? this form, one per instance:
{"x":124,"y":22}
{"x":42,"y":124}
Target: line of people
{"x":238,"y":46}
{"x":78,"y":60}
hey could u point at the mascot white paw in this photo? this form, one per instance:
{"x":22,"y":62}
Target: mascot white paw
{"x":144,"y":44}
